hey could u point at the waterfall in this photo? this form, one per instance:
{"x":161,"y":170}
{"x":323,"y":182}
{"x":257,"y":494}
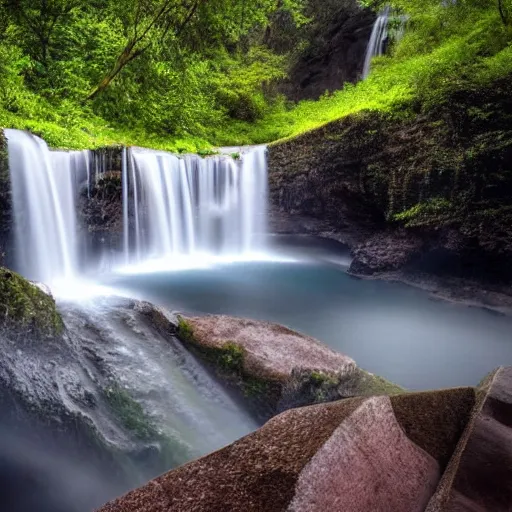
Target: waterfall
{"x":186,"y":206}
{"x":174,"y":208}
{"x":44,"y":186}
{"x":377,"y":44}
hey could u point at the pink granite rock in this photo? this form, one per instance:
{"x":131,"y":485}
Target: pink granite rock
{"x":479,"y":475}
{"x":368,"y":464}
{"x":272,"y":351}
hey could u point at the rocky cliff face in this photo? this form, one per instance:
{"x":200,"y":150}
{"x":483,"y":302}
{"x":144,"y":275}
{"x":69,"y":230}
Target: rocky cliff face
{"x":100,"y":209}
{"x":335,"y":52}
{"x":431,"y":190}
{"x":5,"y":202}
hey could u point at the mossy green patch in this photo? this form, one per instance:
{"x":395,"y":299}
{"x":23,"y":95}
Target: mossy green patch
{"x":185,"y":331}
{"x":130,"y":413}
{"x":228,"y":362}
{"x":132,"y":417}
{"x":307,"y":387}
{"x":231,"y":357}
{"x":26,"y":308}
{"x":435,"y":209}
{"x":369,"y":384}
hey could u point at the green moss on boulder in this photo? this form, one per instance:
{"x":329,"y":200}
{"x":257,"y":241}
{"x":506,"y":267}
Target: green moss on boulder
{"x":227,"y":360}
{"x":306,"y":387}
{"x":277,"y":368}
{"x":25,"y":308}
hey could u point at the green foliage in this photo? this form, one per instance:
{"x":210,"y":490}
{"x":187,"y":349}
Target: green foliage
{"x":25,"y":308}
{"x":231,"y":357}
{"x":185,"y":331}
{"x":205,"y":73}
{"x":130,"y":413}
{"x":443,"y":50}
{"x":429,"y":211}
{"x":159,"y":73}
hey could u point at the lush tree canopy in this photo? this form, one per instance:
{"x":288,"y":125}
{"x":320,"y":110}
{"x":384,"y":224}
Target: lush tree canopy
{"x":181,"y":74}
{"x":176,"y":65}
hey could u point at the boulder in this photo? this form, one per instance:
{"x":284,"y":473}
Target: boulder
{"x":275,"y":367}
{"x":367,"y":464}
{"x":271,"y":351}
{"x":479,"y":475}
{"x":358,"y":454}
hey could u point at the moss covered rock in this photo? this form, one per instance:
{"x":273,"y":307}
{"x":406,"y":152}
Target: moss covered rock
{"x":277,"y":368}
{"x":25,"y":308}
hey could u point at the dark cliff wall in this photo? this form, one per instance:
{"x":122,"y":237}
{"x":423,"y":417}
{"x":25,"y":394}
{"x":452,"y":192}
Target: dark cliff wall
{"x":101,"y":211}
{"x":5,"y":203}
{"x":336,"y":45}
{"x":398,"y":187}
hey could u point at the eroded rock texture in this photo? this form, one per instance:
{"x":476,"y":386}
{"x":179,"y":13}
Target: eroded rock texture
{"x":479,"y":476}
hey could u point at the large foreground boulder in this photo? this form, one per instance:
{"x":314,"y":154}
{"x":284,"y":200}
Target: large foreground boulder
{"x":275,"y":367}
{"x":359,"y":454}
{"x":479,"y":476}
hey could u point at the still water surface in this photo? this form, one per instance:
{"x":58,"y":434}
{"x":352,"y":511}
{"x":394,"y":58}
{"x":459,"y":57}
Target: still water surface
{"x":390,"y":329}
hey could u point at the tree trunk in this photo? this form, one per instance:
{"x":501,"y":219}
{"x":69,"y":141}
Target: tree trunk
{"x":127,"y":55}
{"x":504,"y":17}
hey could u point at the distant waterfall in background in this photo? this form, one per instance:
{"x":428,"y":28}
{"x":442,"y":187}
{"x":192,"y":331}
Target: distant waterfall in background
{"x":192,"y":206}
{"x":174,"y":208}
{"x":377,"y":44}
{"x":44,"y":187}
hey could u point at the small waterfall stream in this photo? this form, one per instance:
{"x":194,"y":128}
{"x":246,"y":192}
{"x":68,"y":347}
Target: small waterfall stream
{"x":377,"y":44}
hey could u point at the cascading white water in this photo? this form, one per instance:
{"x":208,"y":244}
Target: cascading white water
{"x":376,"y":45}
{"x":174,"y":208}
{"x":44,"y":185}
{"x":195,"y":206}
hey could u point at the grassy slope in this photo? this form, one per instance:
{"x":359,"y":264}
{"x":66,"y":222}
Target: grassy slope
{"x":440,"y":50}
{"x":427,"y":64}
